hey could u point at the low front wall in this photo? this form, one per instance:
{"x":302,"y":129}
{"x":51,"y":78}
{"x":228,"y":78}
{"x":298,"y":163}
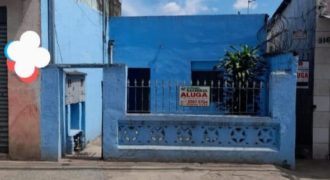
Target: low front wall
{"x":203,"y":132}
{"x":195,"y":138}
{"x":199,"y":138}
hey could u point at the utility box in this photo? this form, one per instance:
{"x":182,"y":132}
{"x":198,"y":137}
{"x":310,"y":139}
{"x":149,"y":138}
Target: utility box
{"x":75,"y":87}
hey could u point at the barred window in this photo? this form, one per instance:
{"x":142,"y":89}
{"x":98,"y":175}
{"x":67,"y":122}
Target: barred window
{"x":211,"y":79}
{"x":138,"y":95}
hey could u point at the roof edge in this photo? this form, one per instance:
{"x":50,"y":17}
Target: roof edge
{"x":282,"y":7}
{"x":184,"y":16}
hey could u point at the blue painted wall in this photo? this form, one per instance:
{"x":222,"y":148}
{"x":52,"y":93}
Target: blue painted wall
{"x":203,"y":138}
{"x":169,"y":45}
{"x":78,"y":39}
{"x":173,"y":46}
{"x":78,"y":30}
{"x":282,"y":101}
{"x":50,"y":94}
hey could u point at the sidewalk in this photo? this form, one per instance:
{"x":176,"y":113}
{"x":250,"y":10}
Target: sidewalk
{"x":95,"y":170}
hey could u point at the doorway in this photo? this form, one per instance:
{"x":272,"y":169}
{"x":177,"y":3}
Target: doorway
{"x":82,"y":120}
{"x":305,"y":108}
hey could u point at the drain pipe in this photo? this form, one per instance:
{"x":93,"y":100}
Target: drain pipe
{"x":110,"y":51}
{"x":51,"y":31}
{"x":103,"y":31}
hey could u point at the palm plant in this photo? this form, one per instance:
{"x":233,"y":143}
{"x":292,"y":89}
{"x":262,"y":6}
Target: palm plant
{"x":239,"y":67}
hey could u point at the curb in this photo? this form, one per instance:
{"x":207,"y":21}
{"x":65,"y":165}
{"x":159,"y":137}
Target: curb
{"x":119,"y":166}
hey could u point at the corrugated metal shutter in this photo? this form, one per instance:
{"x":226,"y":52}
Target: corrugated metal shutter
{"x":3,"y":84}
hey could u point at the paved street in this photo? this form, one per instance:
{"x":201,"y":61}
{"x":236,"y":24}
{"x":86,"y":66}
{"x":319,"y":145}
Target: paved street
{"x":95,"y":170}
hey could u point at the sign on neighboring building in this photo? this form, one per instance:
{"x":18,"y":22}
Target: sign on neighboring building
{"x":195,"y":96}
{"x":303,"y":74}
{"x":323,"y":39}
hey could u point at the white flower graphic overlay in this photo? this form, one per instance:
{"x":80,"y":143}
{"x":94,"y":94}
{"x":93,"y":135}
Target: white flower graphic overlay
{"x":28,"y":54}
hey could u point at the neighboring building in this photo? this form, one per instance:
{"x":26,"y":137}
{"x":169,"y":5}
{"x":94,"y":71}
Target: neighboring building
{"x":321,"y":117}
{"x":110,"y":7}
{"x":303,"y":27}
{"x":20,"y":104}
{"x":115,"y":7}
{"x":74,"y":32}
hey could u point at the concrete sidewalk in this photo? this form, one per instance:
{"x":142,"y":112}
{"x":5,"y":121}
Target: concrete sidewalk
{"x":94,"y":170}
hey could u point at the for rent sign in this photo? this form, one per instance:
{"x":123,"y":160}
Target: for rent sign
{"x":194,"y":96}
{"x":303,"y":74}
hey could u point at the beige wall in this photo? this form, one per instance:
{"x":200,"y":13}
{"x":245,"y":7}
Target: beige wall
{"x":24,"y":103}
{"x":321,"y":116}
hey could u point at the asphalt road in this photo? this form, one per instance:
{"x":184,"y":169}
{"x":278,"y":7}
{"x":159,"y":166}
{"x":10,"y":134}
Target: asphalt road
{"x":95,"y":170}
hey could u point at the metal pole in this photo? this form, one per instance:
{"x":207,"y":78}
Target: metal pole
{"x":51,"y":31}
{"x":103,"y":31}
{"x":249,"y":2}
{"x":110,"y":46}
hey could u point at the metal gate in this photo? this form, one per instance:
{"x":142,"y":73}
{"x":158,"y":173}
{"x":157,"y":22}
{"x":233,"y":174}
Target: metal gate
{"x":3,"y":84}
{"x":304,"y":108}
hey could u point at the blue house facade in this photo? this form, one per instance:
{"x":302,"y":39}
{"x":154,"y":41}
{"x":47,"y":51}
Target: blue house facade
{"x":131,"y":95}
{"x":180,"y":49}
{"x":174,"y":46}
{"x":163,"y":56}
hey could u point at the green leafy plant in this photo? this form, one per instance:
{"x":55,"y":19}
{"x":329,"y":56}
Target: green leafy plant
{"x":239,"y":69}
{"x":242,"y":65}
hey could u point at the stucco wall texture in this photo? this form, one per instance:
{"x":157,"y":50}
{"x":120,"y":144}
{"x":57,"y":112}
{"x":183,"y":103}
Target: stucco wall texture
{"x":24,"y":100}
{"x":80,"y":41}
{"x":321,"y":115}
{"x":282,"y":94}
{"x":77,"y":41}
{"x":169,"y":45}
{"x":173,"y":46}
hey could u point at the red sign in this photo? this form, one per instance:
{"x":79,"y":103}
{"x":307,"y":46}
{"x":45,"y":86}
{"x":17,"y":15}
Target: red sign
{"x":303,"y":74}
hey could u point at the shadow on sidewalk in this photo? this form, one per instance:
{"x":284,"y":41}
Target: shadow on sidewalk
{"x":92,"y":151}
{"x":309,"y":169}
